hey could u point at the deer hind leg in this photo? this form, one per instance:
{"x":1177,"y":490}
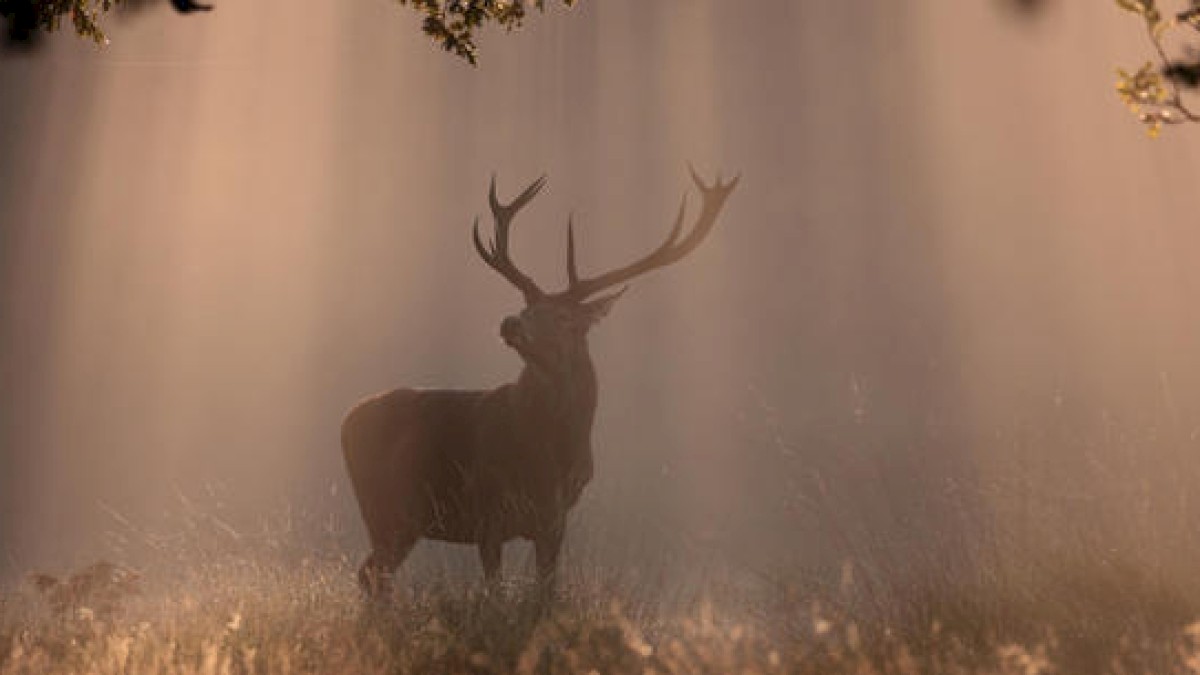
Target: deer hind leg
{"x":546,"y":547}
{"x":375,"y":575}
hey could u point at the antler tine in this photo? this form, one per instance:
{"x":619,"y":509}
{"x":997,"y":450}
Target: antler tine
{"x":505,"y":212}
{"x":717,"y":185}
{"x":485,"y":252}
{"x":495,"y":254}
{"x":572,"y":272}
{"x":675,"y":247}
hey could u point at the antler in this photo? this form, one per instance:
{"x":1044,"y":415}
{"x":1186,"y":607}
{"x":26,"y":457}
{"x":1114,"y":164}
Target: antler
{"x":495,"y":254}
{"x":672,"y":250}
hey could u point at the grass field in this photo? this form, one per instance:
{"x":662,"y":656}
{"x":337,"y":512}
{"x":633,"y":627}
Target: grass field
{"x":263,"y":616}
{"x":1059,"y":562}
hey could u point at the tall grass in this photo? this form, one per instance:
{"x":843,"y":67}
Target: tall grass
{"x":1069,"y":554}
{"x":244,"y":614}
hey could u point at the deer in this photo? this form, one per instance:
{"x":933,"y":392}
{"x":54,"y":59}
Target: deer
{"x":484,"y":467}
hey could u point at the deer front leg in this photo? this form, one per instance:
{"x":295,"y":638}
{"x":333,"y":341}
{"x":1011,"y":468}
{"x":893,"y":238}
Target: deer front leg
{"x":546,"y":547}
{"x":375,"y":575}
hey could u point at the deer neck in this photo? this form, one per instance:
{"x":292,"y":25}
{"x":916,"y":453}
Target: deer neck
{"x":565,"y":401}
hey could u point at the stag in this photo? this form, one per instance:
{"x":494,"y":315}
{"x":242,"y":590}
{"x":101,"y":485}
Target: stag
{"x":484,"y":467}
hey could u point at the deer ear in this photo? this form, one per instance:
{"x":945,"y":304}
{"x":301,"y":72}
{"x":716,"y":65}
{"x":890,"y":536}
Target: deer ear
{"x":599,"y":308}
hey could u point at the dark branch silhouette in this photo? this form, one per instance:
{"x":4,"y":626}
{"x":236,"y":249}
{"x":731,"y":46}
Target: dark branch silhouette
{"x":189,"y":6}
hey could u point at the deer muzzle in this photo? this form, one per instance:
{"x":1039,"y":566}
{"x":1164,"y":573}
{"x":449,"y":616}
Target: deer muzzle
{"x":513,"y":333}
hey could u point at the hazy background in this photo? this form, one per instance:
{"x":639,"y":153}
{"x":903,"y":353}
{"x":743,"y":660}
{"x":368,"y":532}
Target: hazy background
{"x":954,"y":293}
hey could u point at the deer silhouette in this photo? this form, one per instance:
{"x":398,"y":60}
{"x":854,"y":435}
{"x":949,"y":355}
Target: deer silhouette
{"x":484,"y":467}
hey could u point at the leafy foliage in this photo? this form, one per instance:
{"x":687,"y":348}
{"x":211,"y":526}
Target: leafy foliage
{"x":452,"y":23}
{"x":1155,"y":92}
{"x":26,"y":16}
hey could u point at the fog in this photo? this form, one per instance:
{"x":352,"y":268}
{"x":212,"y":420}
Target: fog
{"x":952,"y":295}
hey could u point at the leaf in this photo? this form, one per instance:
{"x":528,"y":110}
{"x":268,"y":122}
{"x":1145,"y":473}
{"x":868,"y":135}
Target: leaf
{"x":1139,"y":7}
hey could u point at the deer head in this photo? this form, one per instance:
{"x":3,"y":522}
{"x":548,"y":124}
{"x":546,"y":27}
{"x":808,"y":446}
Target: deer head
{"x":550,"y":332}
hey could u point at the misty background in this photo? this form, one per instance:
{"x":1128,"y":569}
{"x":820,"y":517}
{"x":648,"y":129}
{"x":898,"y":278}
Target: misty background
{"x":953,"y":295}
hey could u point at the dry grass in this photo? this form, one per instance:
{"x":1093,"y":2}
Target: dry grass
{"x":242,"y":616}
{"x":1080,"y":560}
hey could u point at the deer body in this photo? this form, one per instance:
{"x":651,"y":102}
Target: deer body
{"x":484,"y":467}
{"x":466,"y":466}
